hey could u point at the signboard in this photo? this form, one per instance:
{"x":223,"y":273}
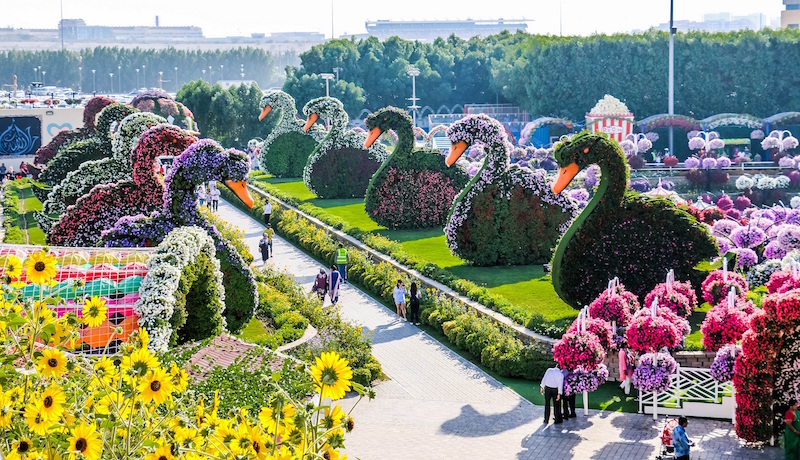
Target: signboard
{"x":20,"y":135}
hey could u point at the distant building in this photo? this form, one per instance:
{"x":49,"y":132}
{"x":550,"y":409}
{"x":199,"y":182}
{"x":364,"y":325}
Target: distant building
{"x":721,"y":22}
{"x":77,"y":30}
{"x":790,"y":17}
{"x":428,"y":31}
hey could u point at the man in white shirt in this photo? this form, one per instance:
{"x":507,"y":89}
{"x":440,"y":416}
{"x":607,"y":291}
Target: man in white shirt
{"x":552,"y":387}
{"x":267,"y":211}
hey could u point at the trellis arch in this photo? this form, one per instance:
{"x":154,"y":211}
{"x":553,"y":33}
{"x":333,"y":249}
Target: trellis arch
{"x":157,"y":299}
{"x":732,"y":119}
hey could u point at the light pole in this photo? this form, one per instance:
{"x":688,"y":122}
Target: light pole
{"x":94,"y":82}
{"x":241,"y":70}
{"x":780,"y":140}
{"x":160,"y":79}
{"x":204,"y":74}
{"x":111,"y":78}
{"x":176,"y":81}
{"x":119,"y":77}
{"x":671,"y":95}
{"x":706,"y":141}
{"x":137,"y":79}
{"x":35,"y":74}
{"x":222,"y":71}
{"x":144,"y":76}
{"x":328,"y":77}
{"x":44,"y":72}
{"x":413,"y":72}
{"x":80,"y":78}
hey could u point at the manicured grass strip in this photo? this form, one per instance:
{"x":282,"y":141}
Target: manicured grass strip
{"x":254,"y":331}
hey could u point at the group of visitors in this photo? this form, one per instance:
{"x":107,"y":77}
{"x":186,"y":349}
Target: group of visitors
{"x":328,"y":284}
{"x":552,"y":387}
{"x":7,"y":173}
{"x":208,"y":196}
{"x":265,"y":244}
{"x":400,"y":301}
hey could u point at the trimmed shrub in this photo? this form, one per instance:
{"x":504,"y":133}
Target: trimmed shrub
{"x":197,"y":310}
{"x":343,"y":173}
{"x":288,"y":154}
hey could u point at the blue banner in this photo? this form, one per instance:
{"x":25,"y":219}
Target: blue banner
{"x":20,"y":135}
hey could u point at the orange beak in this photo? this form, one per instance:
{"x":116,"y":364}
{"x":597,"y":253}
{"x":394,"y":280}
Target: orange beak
{"x":456,"y":150}
{"x":311,"y":120}
{"x":264,"y":112}
{"x":374,"y":134}
{"x":565,"y":176}
{"x":240,"y":189}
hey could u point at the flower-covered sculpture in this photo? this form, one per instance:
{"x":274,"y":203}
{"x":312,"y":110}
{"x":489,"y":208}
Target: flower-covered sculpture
{"x":159,"y":102}
{"x":98,"y":211}
{"x":286,"y":149}
{"x":201,"y":163}
{"x":619,"y":233}
{"x":93,"y":107}
{"x":107,"y":170}
{"x":340,"y":166}
{"x":413,"y":188}
{"x":506,"y":215}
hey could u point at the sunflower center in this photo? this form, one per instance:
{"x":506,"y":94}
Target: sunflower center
{"x":80,"y":445}
{"x":48,"y":402}
{"x":52,"y":362}
{"x":256,"y":447}
{"x":155,"y":385}
{"x":329,"y":377}
{"x":23,"y":446}
{"x":163,"y":457}
{"x":39,"y":266}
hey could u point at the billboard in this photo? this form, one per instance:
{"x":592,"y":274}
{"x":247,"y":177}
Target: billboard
{"x":20,"y":135}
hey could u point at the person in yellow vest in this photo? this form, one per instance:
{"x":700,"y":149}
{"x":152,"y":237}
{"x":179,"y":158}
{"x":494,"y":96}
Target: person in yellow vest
{"x":341,"y":262}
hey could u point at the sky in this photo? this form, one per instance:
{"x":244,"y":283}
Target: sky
{"x":220,"y":18}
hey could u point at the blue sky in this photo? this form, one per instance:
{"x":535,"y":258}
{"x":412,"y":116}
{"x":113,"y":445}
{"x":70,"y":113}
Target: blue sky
{"x":220,"y":18}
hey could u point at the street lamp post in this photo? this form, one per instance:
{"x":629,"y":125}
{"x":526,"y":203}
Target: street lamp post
{"x":241,"y":70}
{"x":119,"y":78}
{"x":144,"y":76}
{"x":204,"y":74}
{"x":137,"y":79}
{"x":160,"y":79}
{"x":176,"y":81}
{"x":111,"y":79}
{"x":222,"y":71}
{"x":413,"y":72}
{"x":44,"y":72}
{"x":336,"y":70}
{"x":94,"y":82}
{"x":671,"y":95}
{"x":80,"y":78}
{"x":328,"y":77}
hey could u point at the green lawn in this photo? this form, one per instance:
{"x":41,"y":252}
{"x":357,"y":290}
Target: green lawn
{"x":28,"y":206}
{"x":254,"y":331}
{"x":526,"y":286}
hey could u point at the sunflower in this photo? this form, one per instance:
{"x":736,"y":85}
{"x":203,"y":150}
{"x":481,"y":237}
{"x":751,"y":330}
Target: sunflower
{"x":180,"y":379}
{"x":18,"y":284}
{"x":52,"y":363}
{"x":333,"y":417}
{"x":86,"y":441}
{"x":41,"y":267}
{"x":14,"y":396}
{"x":104,"y":371}
{"x":331,"y":375}
{"x":22,"y":447}
{"x":162,"y":453}
{"x":138,"y":363}
{"x":35,"y":418}
{"x":268,"y":417}
{"x":52,"y":401}
{"x":156,"y":386}
{"x":94,"y":311}
{"x":13,"y":267}
{"x":6,"y":411}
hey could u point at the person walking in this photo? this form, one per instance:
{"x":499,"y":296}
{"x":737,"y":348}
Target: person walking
{"x":567,"y":401}
{"x":333,"y":287}
{"x":413,"y":303}
{"x":552,"y":387}
{"x":321,"y":284}
{"x":680,"y":442}
{"x":400,"y":299}
{"x":270,"y":233}
{"x":791,"y":438}
{"x":341,"y":261}
{"x":263,"y":246}
{"x":201,"y":195}
{"x":267,"y":211}
{"x":214,"y":194}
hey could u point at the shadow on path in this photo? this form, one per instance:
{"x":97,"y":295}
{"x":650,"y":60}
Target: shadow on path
{"x":471,"y":423}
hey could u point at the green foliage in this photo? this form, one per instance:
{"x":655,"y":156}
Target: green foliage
{"x":13,"y":234}
{"x":304,"y":87}
{"x":197,"y":310}
{"x":229,"y":116}
{"x":238,"y":301}
{"x":19,"y":207}
{"x":288,"y":154}
{"x":229,"y":233}
{"x":242,"y":383}
{"x":70,"y":157}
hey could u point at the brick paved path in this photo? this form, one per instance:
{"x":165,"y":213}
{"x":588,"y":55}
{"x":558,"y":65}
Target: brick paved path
{"x":438,"y":405}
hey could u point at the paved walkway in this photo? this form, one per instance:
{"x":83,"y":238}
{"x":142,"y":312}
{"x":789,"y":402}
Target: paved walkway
{"x":437,"y":405}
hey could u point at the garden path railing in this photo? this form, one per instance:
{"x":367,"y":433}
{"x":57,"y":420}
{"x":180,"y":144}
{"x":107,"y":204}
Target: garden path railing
{"x":692,"y":392}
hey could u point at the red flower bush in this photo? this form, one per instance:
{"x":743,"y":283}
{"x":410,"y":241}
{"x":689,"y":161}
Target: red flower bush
{"x":681,"y":324}
{"x":671,"y":298}
{"x":413,"y":199}
{"x":578,"y":349}
{"x":598,"y":327}
{"x":670,"y":161}
{"x":782,"y":281}
{"x":646,"y":334}
{"x":723,"y":325}
{"x":715,"y":289}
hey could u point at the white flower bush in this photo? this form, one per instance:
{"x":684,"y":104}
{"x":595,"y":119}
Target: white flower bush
{"x":744,"y":183}
{"x":157,"y":299}
{"x":795,"y":202}
{"x":609,"y":105}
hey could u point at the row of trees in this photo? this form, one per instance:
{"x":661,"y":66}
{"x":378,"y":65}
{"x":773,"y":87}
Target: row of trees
{"x":62,"y":67}
{"x":562,"y":76}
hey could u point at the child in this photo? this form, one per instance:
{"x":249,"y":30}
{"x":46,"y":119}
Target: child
{"x":263,"y":246}
{"x":270,"y":233}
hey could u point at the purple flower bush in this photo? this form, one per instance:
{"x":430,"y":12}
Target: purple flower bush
{"x":745,"y":259}
{"x":640,"y":185}
{"x":692,"y":163}
{"x":592,"y":176}
{"x":580,"y":380}
{"x":653,"y":373}
{"x":724,"y":228}
{"x":789,"y":237}
{"x":723,"y":367}
{"x":748,"y":236}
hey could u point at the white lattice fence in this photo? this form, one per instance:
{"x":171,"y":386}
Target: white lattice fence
{"x":692,"y":392}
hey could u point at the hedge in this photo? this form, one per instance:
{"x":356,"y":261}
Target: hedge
{"x":288,"y":154}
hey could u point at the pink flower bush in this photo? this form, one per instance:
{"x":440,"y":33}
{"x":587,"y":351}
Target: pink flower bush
{"x":782,"y":281}
{"x":681,"y":324}
{"x":648,"y":334}
{"x":671,"y":298}
{"x":598,"y":327}
{"x":614,"y":306}
{"x":715,"y":289}
{"x":578,"y":349}
{"x":723,"y":325}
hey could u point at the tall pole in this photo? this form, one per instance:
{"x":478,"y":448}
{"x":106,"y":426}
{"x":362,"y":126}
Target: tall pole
{"x":144,"y":76}
{"x":176,"y":81}
{"x":671,"y":74}
{"x":119,"y":77}
{"x":332,"y":36}
{"x":222,"y":71}
{"x":44,"y":82}
{"x":80,"y":78}
{"x":111,"y":78}
{"x":137,"y":79}
{"x":62,"y":25}
{"x":327,"y":88}
{"x":561,"y":18}
{"x":94,"y":82}
{"x":327,"y":77}
{"x":413,"y":72}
